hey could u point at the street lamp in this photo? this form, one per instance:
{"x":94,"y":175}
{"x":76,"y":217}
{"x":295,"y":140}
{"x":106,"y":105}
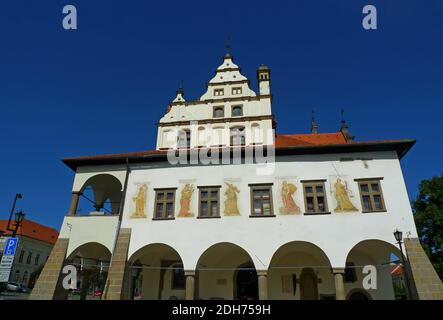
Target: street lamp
{"x":19,"y":217}
{"x":17,"y":196}
{"x":399,"y":237}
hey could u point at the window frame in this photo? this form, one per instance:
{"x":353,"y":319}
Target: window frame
{"x":314,"y":184}
{"x":188,"y":138}
{"x":237,"y":106}
{"x":165,"y":202}
{"x":221,"y":92}
{"x":208,"y":189}
{"x":29,"y":258}
{"x":215,"y":109}
{"x":236,"y":91}
{"x":260,"y":187}
{"x":371,"y":194}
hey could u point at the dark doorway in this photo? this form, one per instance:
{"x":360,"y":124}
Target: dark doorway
{"x":246,"y":283}
{"x":308,"y":285}
{"x":358,"y":295}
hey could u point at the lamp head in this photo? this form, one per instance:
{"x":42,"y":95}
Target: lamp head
{"x":19,"y":217}
{"x":398,"y":235}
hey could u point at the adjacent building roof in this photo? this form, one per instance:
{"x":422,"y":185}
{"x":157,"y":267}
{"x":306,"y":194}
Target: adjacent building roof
{"x":285,"y":144}
{"x":32,"y":230}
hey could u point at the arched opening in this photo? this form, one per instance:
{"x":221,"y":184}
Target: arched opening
{"x":237,"y":136}
{"x":246,"y":283}
{"x":377,"y":264}
{"x":101,"y":195}
{"x":92,"y":261}
{"x":300,"y":271}
{"x":256,"y":133}
{"x":157,"y":273}
{"x":358,"y":294}
{"x":226,"y":271}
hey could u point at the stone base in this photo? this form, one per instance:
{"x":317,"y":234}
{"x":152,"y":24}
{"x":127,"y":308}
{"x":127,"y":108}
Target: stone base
{"x":48,"y":285}
{"x":117,"y":276}
{"x":427,"y":283}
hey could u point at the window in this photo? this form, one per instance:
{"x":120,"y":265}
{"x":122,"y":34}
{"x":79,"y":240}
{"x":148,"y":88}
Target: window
{"x":164,"y":203}
{"x":237,"y":111}
{"x":37,"y":258}
{"x":178,"y":277}
{"x":371,"y":195}
{"x":184,"y":139}
{"x":28,"y":259}
{"x":350,"y":274}
{"x":236,"y":90}
{"x":209,"y":202}
{"x":315,"y":197}
{"x":238,"y":136}
{"x":219,"y":112}
{"x":219,"y":92}
{"x":261,"y":200}
{"x":22,"y":254}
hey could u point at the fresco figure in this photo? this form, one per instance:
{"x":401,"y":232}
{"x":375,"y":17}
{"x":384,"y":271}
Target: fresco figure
{"x":342,"y":197}
{"x":185,"y":201}
{"x":231,"y":208}
{"x":287,"y":193}
{"x":140,"y":202}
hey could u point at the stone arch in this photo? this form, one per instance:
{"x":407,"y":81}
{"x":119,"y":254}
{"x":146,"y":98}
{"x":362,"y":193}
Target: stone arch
{"x":372,"y":252}
{"x":296,"y":265}
{"x":105,"y":188}
{"x":216,"y":270}
{"x":152,"y":269}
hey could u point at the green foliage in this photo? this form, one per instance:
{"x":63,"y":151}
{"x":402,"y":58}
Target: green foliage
{"x":428,"y":212}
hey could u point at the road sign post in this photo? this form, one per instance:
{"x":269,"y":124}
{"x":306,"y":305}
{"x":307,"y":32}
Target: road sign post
{"x":8,"y":258}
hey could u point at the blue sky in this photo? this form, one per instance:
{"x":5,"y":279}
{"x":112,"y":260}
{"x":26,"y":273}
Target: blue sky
{"x":102,"y":88}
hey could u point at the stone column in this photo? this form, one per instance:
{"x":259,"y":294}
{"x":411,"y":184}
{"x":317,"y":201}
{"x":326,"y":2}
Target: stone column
{"x":74,"y":203}
{"x":339,"y":283}
{"x":48,"y":285}
{"x":262,"y":284}
{"x":190,"y":284}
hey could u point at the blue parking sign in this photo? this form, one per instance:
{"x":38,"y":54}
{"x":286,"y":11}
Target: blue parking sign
{"x":10,"y":247}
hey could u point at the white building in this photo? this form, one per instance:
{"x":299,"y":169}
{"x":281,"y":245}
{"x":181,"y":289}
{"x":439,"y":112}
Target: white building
{"x":304,"y":225}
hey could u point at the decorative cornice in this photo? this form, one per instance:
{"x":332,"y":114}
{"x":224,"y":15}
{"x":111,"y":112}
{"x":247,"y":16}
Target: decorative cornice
{"x":216,"y":120}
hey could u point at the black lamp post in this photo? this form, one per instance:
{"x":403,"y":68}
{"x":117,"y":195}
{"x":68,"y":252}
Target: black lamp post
{"x":19,"y":216}
{"x":399,"y":237}
{"x":17,"y":196}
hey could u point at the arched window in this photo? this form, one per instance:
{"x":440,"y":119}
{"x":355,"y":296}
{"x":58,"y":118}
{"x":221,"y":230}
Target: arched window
{"x":201,"y":137}
{"x":237,"y":111}
{"x":184,"y":139}
{"x":219,"y":112}
{"x":237,"y":136}
{"x":17,"y":276}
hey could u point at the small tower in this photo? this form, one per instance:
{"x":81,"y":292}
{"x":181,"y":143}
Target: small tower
{"x":344,"y":128}
{"x":180,"y":94}
{"x":314,"y":124}
{"x":264,"y":80}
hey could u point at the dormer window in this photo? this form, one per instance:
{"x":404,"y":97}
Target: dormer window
{"x":219,"y":112}
{"x":219,"y":92}
{"x":236,"y":90}
{"x":237,"y":111}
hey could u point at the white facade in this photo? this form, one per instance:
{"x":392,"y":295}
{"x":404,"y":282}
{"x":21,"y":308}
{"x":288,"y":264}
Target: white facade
{"x":281,"y":245}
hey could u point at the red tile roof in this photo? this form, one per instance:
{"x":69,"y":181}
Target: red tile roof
{"x":396,"y":269}
{"x":32,"y":230}
{"x":285,"y":144}
{"x":311,"y":139}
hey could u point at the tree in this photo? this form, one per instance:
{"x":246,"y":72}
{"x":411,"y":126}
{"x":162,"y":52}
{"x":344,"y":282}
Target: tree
{"x":428,"y":213}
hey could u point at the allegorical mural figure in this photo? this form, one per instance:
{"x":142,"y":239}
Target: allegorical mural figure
{"x":140,"y":202}
{"x":287,"y":197}
{"x":342,"y":197}
{"x":185,"y":201}
{"x":231,"y":208}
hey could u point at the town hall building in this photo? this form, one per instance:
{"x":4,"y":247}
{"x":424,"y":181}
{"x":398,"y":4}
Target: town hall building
{"x":226,"y":208}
